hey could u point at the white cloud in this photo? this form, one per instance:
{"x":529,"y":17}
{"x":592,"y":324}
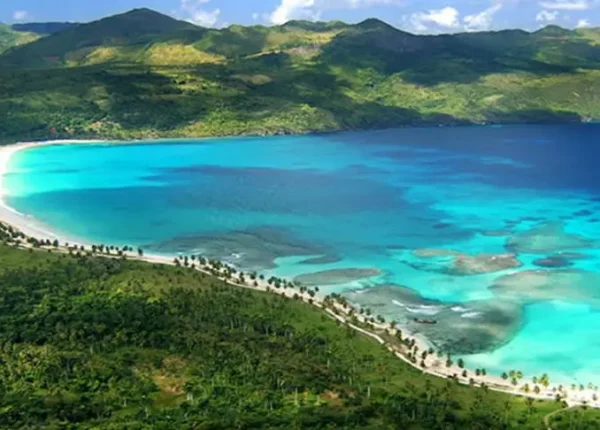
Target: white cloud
{"x":481,"y":21}
{"x":566,"y":4}
{"x":194,"y":12}
{"x":546,"y":16}
{"x":293,"y":9}
{"x":255,"y":16}
{"x":583,"y":23}
{"x":311,"y":9}
{"x":446,"y":17}
{"x":20,"y":15}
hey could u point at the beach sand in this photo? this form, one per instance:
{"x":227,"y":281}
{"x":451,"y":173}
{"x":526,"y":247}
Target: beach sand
{"x":434,"y":365}
{"x":25,"y":223}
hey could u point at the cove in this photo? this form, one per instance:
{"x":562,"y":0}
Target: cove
{"x":493,"y":232}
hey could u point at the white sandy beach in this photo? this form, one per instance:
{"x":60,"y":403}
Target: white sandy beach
{"x":24,"y":222}
{"x":435,"y":366}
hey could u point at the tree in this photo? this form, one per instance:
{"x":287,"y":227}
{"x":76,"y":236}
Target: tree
{"x":504,"y":376}
{"x":140,"y":252}
{"x":461,"y":363}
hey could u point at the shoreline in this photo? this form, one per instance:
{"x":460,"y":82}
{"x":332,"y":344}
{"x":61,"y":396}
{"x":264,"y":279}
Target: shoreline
{"x":434,"y":365}
{"x":417,"y":126}
{"x":25,"y":223}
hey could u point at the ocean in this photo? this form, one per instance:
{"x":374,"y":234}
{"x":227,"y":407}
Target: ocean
{"x":492,"y":232}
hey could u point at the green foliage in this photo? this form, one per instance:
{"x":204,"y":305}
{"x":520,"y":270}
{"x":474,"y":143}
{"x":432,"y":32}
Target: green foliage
{"x":137,"y":27}
{"x":43,"y":28}
{"x":144,"y":75}
{"x":92,"y":342}
{"x":10,"y":38}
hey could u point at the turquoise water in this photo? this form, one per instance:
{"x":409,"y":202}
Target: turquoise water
{"x":409,"y":222}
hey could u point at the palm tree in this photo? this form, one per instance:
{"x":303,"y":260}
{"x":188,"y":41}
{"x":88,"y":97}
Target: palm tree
{"x":529,"y":402}
{"x":461,"y":363}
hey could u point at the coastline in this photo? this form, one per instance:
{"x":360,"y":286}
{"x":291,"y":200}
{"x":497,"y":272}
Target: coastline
{"x":25,"y":223}
{"x":434,"y":365}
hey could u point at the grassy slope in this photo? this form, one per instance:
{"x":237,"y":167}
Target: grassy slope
{"x":10,"y":38}
{"x":142,"y":74}
{"x":96,"y":342}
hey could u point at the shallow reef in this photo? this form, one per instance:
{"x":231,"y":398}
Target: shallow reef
{"x":452,"y":262}
{"x":255,"y":248}
{"x":553,"y":262}
{"x":322,"y":259}
{"x":547,"y":238}
{"x":460,"y":328}
{"x":336,"y":276}
{"x":464,"y":265}
{"x":496,"y":233}
{"x":530,"y":286}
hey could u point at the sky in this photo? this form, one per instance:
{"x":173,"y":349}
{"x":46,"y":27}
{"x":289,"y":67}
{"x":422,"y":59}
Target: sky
{"x":417,"y":16}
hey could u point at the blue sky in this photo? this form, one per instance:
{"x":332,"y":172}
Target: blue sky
{"x":419,"y":16}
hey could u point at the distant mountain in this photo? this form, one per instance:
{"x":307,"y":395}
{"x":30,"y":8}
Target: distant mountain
{"x":146,"y":74}
{"x":137,"y":27}
{"x":10,"y":38}
{"x":44,"y":28}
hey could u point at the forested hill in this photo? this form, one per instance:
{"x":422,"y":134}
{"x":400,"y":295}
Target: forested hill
{"x":144,"y":74}
{"x":10,"y":38}
{"x":103,"y":343}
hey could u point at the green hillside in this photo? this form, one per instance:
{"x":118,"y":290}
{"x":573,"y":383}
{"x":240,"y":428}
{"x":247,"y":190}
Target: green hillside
{"x":132,"y":29}
{"x":143,"y":74}
{"x":89,"y":342}
{"x":10,"y":38}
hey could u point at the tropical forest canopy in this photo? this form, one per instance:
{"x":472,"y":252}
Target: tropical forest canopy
{"x":143,"y":74}
{"x":98,"y":342}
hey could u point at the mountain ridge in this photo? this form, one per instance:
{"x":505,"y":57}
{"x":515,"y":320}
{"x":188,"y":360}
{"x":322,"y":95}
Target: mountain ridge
{"x":144,"y":74}
{"x":44,"y":28}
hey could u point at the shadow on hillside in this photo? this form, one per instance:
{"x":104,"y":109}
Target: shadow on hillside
{"x":433,"y":60}
{"x":161,"y":100}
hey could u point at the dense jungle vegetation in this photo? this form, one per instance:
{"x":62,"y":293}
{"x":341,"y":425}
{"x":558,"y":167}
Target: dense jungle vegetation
{"x":92,"y":342}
